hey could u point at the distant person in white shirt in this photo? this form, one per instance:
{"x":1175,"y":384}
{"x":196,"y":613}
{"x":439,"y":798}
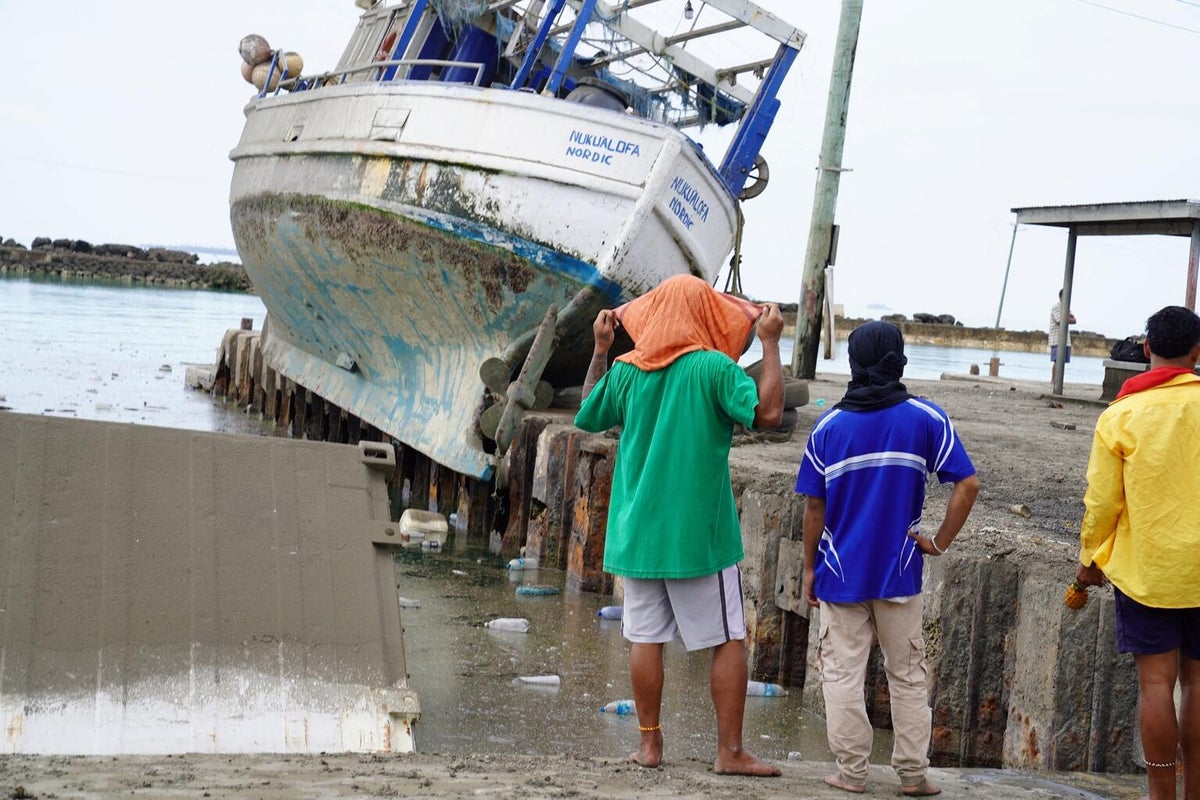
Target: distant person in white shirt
{"x":1055,"y":323}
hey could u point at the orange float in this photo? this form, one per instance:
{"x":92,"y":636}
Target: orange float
{"x":385,"y":49}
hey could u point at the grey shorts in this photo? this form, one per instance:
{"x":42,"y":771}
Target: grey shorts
{"x":706,"y":611}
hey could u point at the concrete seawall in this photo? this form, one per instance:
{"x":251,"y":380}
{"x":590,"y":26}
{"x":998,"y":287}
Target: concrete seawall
{"x":1083,"y":343}
{"x":1017,"y":680}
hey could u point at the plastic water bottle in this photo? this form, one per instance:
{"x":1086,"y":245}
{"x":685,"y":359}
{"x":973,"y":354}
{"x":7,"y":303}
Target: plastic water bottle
{"x":512,"y":624}
{"x":760,"y":689}
{"x":610,"y":612}
{"x":523,"y":563}
{"x":621,"y":707}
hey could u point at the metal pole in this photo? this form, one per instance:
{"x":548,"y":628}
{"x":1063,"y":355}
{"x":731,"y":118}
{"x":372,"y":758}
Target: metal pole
{"x":829,"y":171}
{"x":1004,"y":287}
{"x":1189,"y":297}
{"x":828,"y":312}
{"x":1060,"y":364}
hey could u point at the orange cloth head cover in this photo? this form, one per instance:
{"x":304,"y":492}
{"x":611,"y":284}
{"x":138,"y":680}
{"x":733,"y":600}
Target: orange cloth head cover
{"x":683,"y":314}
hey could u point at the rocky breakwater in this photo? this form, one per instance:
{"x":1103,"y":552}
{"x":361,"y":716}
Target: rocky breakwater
{"x":944,"y":330}
{"x":73,"y":259}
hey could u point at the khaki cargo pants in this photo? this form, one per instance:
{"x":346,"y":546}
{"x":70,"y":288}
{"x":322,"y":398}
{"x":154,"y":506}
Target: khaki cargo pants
{"x":846,"y":634}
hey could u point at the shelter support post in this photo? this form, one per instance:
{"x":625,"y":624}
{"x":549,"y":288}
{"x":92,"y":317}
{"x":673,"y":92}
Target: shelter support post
{"x":1060,"y":363}
{"x":1189,"y":298}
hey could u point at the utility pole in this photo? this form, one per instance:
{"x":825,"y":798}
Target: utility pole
{"x":1007,"y":266}
{"x":829,"y":173}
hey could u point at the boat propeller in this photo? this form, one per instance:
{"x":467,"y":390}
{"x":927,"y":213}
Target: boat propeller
{"x":500,"y":420}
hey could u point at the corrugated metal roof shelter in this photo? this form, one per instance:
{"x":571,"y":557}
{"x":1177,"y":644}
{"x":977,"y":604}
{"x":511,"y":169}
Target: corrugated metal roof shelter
{"x":1150,"y":217}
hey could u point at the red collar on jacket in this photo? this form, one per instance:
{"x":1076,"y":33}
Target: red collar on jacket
{"x":1149,"y":379}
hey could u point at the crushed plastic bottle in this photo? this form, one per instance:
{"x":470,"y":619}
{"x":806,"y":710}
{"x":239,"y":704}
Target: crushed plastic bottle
{"x":760,"y":689}
{"x":512,"y":624}
{"x":536,"y":591}
{"x":540,"y":680}
{"x":523,"y":563}
{"x":621,"y":707}
{"x":610,"y":612}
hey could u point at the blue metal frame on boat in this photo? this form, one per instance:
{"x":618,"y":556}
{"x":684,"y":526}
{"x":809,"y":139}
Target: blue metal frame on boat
{"x":568,"y":51}
{"x":748,"y":141}
{"x":406,"y":36}
{"x":539,"y":42}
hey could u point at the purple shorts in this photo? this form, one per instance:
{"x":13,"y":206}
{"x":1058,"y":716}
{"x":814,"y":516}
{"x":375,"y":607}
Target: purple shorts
{"x":1143,"y":630}
{"x":1054,"y":354}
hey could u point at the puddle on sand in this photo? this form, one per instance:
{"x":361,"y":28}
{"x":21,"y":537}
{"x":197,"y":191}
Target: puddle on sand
{"x":466,"y":674}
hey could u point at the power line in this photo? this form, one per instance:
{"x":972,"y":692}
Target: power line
{"x":88,"y":168}
{"x":1164,"y":23}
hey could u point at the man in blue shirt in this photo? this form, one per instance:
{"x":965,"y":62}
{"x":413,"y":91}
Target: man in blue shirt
{"x":863,"y":475}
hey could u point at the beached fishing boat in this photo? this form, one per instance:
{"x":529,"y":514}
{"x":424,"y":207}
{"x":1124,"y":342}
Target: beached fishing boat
{"x":472,"y":173}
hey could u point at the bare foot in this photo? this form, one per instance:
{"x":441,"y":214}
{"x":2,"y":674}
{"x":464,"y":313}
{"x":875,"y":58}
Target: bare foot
{"x":922,"y":789}
{"x":744,"y":763}
{"x":838,"y":782}
{"x":649,"y":752}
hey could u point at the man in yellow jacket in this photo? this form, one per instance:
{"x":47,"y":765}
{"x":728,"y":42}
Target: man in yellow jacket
{"x":1141,"y":531}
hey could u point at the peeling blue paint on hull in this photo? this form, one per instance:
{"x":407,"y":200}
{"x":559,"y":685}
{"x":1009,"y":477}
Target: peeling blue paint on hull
{"x":416,"y":306}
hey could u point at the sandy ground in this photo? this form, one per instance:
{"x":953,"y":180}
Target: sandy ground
{"x":1030,"y":450}
{"x":436,"y":776}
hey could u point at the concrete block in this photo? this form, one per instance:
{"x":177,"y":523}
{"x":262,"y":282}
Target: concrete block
{"x":200,"y":377}
{"x":789,"y":577}
{"x":970,"y":622}
{"x":1113,"y":741}
{"x":766,"y":517}
{"x":161,"y":586}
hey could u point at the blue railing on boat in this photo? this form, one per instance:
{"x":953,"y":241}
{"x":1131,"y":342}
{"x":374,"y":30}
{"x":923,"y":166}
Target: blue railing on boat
{"x":300,"y":83}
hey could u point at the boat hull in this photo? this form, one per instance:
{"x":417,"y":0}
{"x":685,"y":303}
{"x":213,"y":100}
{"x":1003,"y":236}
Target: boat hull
{"x":393,"y":264}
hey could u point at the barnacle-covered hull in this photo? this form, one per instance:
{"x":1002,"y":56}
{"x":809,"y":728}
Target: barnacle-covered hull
{"x":392,"y":272}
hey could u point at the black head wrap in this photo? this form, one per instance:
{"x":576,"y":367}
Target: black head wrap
{"x":877,"y":361}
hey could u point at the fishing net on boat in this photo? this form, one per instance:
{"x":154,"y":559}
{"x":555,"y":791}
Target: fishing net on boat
{"x":656,"y":87}
{"x":458,"y":14}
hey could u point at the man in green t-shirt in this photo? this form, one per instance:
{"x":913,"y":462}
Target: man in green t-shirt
{"x":673,"y":531}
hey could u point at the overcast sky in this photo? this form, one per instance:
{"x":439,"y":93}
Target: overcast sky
{"x":117,"y":118}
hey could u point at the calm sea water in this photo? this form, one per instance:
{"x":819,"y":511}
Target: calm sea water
{"x":118,"y":353}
